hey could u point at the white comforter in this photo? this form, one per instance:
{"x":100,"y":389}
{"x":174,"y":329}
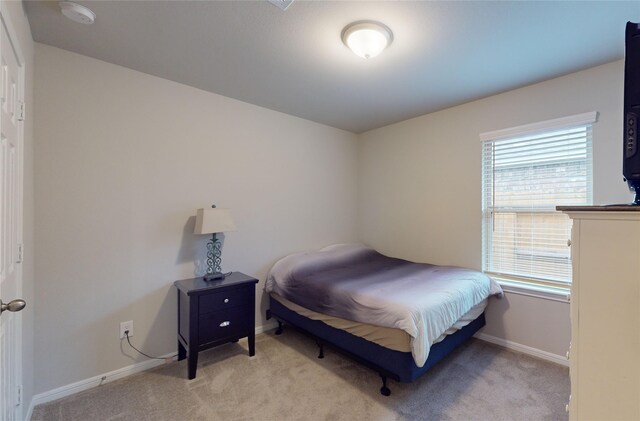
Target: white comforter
{"x":357,"y":283}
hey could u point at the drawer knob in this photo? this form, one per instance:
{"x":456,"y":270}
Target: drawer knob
{"x":567,"y":354}
{"x":226,"y":300}
{"x":225,"y":323}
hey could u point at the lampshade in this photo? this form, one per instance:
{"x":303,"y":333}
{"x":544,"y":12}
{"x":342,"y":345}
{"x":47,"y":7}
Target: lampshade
{"x":367,"y":39}
{"x":210,"y":221}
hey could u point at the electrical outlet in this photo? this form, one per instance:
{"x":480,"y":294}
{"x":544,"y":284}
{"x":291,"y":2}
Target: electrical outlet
{"x":124,"y":326}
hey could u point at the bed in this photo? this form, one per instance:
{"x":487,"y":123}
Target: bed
{"x":394,"y":316}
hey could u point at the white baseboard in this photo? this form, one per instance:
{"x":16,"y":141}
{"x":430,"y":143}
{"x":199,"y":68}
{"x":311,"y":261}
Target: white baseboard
{"x":267,"y":326}
{"x":95,"y":381}
{"x":92,"y":382}
{"x":538,"y":353}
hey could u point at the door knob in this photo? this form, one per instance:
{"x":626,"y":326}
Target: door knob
{"x":15,"y":305}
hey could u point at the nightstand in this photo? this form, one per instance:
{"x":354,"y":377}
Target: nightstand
{"x":214,"y":313}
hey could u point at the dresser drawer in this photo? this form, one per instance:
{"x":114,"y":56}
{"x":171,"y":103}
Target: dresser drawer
{"x":223,"y":324}
{"x":225,"y":299}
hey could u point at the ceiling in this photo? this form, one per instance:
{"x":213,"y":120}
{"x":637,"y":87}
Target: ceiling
{"x":444,"y":53}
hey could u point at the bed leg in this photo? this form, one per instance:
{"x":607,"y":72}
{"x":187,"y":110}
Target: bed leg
{"x":384,"y":390}
{"x":321,"y":346}
{"x":279,"y":330}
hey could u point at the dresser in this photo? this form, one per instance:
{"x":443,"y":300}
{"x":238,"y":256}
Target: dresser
{"x":604,"y":355}
{"x":212,"y":313}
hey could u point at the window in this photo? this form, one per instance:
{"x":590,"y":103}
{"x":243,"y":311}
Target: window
{"x":526,"y":172}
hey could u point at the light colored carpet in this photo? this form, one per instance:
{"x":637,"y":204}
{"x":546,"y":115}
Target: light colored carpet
{"x":285,"y":381}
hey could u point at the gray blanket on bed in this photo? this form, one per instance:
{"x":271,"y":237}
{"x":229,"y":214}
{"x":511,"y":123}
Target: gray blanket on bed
{"x":357,"y":283}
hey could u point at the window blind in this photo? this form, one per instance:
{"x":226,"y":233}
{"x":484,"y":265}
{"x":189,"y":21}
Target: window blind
{"x":524,"y":177}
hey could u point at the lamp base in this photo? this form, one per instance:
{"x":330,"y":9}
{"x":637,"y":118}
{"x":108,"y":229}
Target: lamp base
{"x":214,"y":255}
{"x":213,"y":276}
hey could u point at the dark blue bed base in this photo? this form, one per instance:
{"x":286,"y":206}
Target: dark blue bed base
{"x":397,"y":365}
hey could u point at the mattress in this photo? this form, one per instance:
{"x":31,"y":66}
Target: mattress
{"x":395,"y":339}
{"x":356,"y":283}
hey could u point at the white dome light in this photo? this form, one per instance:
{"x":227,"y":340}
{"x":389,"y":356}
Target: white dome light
{"x":77,"y":12}
{"x":367,"y":39}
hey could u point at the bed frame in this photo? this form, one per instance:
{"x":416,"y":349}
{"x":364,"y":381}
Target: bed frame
{"x":388,"y":363}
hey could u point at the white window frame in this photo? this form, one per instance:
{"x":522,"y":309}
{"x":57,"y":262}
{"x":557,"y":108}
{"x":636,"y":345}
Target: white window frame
{"x":515,"y":284}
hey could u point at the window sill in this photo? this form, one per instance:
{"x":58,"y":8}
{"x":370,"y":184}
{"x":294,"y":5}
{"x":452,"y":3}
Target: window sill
{"x":545,"y":292}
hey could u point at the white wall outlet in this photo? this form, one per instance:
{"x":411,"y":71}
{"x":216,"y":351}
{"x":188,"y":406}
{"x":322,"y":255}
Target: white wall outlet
{"x":126,"y":326}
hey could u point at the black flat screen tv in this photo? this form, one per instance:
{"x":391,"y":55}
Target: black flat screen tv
{"x":631,"y":150}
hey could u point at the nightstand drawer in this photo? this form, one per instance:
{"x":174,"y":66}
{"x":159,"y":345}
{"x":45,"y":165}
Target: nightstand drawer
{"x":225,"y":299}
{"x":223,"y":324}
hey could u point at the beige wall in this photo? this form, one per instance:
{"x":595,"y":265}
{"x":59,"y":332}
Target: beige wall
{"x":420,"y":185}
{"x":123,"y":159}
{"x":14,"y":12}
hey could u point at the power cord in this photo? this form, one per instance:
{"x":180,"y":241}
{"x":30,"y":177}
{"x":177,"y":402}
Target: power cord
{"x":126,"y":332}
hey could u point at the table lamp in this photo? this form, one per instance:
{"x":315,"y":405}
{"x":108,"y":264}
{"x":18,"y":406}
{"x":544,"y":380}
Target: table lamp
{"x":213,"y":221}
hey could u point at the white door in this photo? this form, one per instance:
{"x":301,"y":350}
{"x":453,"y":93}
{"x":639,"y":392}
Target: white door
{"x":10,"y":226}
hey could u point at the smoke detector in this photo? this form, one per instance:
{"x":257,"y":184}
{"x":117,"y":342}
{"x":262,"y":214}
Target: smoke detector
{"x":77,"y":12}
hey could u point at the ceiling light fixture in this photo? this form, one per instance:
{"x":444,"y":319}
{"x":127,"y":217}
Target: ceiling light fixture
{"x":367,"y":38}
{"x":77,"y":12}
